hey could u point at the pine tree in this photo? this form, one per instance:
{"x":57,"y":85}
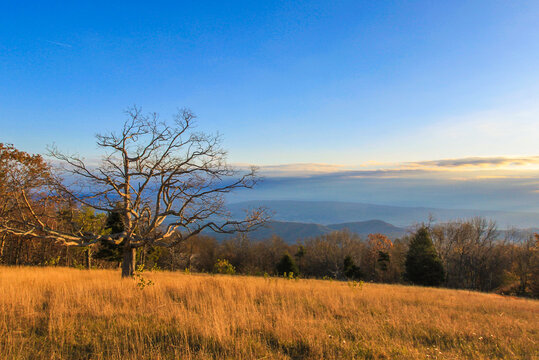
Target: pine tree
{"x":350,"y":269}
{"x":109,"y":251}
{"x":114,"y":222}
{"x":423,"y":266}
{"x":287,"y":265}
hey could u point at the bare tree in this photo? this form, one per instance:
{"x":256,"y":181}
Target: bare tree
{"x":470,"y":252}
{"x":162,"y":178}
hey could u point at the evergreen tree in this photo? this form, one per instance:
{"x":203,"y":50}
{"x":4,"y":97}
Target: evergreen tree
{"x":300,"y":253}
{"x":107,"y":250}
{"x":350,"y":269}
{"x":114,"y":222}
{"x":423,"y":266}
{"x":383,"y":261}
{"x":287,"y":265}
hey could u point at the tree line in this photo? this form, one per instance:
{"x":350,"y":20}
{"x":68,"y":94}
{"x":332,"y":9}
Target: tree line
{"x":465,"y":254}
{"x":159,"y":189}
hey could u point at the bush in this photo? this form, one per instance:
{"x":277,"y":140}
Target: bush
{"x":223,"y":266}
{"x":423,"y":266}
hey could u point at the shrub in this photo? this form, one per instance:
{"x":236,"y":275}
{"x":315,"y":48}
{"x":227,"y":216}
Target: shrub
{"x":223,"y":266}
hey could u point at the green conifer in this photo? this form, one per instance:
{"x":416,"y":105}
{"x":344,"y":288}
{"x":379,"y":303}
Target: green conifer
{"x":423,"y":266}
{"x":287,"y":265}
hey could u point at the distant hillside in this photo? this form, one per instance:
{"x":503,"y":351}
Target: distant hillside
{"x":371,"y":227}
{"x":292,"y":231}
{"x":333,"y":212}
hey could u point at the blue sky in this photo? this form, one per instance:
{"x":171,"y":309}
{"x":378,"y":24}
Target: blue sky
{"x":334,"y":86}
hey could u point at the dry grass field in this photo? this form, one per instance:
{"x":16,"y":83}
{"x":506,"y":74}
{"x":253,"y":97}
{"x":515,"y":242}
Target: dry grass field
{"x":61,"y":313}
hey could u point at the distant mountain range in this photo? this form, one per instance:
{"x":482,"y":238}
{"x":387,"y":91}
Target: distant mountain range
{"x":293,"y":220}
{"x":292,"y":231}
{"x":333,"y":212}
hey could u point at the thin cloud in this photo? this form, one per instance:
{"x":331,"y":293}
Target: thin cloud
{"x":461,"y":168}
{"x":378,"y":173}
{"x":481,"y":162}
{"x":57,"y":43}
{"x":298,"y":170}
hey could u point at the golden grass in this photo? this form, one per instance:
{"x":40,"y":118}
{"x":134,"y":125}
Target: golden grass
{"x":61,"y":313}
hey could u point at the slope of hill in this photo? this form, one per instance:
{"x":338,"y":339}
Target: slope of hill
{"x":289,"y":231}
{"x":333,"y":212}
{"x":47,"y":313}
{"x":370,"y":227}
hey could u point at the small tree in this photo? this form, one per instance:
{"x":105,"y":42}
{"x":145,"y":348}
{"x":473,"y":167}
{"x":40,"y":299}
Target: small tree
{"x":351,"y":270}
{"x":287,"y":265}
{"x":108,"y":250}
{"x":383,"y":261}
{"x":377,"y":258}
{"x":423,"y":266}
{"x":82,"y":219}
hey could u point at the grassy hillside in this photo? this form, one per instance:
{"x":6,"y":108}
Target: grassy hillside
{"x":61,"y":313}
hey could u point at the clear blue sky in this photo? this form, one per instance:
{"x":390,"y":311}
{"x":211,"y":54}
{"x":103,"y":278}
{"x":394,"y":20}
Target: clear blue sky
{"x":337,"y":82}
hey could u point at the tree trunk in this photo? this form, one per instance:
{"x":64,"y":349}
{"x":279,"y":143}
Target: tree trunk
{"x":2,"y":243}
{"x":142,"y":256}
{"x":128,"y":263}
{"x":18,"y":252}
{"x":88,"y":258}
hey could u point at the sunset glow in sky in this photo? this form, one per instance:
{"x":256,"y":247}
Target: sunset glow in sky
{"x":396,"y":102}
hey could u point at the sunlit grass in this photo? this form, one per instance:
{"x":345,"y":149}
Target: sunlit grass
{"x":61,"y":313}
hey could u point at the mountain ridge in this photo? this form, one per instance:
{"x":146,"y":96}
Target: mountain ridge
{"x":290,"y":231}
{"x":335,"y":212}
